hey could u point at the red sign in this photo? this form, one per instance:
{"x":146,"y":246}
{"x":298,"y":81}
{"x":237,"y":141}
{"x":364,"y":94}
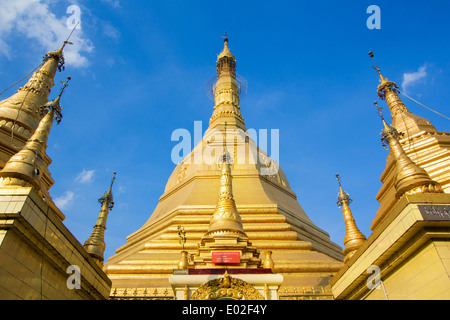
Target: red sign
{"x":226,"y":257}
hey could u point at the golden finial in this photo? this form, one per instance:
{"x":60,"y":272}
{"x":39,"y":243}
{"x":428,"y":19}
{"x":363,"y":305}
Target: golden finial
{"x":388,"y":90}
{"x":226,"y":63}
{"x":342,"y":196}
{"x":54,"y":105}
{"x":225,"y":38}
{"x":353,"y":238}
{"x":95,"y":244}
{"x":108,"y":196}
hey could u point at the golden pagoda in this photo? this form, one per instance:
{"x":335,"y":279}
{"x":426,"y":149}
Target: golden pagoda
{"x":406,"y":256}
{"x":421,"y":142}
{"x":228,"y":225}
{"x":272,"y":219}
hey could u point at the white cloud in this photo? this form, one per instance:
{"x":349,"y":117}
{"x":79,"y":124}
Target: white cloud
{"x":412,"y":78}
{"x":34,"y":20}
{"x":85,"y":176}
{"x":64,"y":201}
{"x":110,"y":31}
{"x":113,"y":3}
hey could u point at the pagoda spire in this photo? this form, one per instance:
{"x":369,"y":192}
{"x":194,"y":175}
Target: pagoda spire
{"x":402,"y":119}
{"x":410,"y":178}
{"x":22,"y":105}
{"x":225,"y":232}
{"x":26,"y":166}
{"x":226,"y":91}
{"x":95,"y":244}
{"x":353,"y":238}
{"x":226,"y":219}
{"x":388,"y":90}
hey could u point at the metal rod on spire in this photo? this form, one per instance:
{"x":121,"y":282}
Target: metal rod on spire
{"x":379,"y":110}
{"x":372,"y":56}
{"x":67,"y":40}
{"x":224,"y":142}
{"x":65,"y":84}
{"x":114,"y":178}
{"x":376,"y":67}
{"x":338,"y":179}
{"x":225,"y":38}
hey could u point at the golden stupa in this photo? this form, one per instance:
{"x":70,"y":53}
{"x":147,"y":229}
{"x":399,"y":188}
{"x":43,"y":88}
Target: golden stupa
{"x":272,"y":218}
{"x":422,"y":143}
{"x":228,"y":225}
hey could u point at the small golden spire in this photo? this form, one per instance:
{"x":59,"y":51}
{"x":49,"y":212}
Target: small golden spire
{"x":226,"y":219}
{"x":95,"y":244}
{"x":24,"y":168}
{"x":226,"y":62}
{"x":353,"y":238}
{"x":410,"y":178}
{"x":226,"y":51}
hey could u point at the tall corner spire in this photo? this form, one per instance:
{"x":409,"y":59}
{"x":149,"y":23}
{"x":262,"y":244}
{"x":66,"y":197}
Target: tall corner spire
{"x":353,"y":238}
{"x":410,"y":178}
{"x":388,"y":90}
{"x":95,"y":244}
{"x":21,"y":106}
{"x":26,"y":166}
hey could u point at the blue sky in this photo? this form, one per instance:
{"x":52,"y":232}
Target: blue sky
{"x":140,"y":68}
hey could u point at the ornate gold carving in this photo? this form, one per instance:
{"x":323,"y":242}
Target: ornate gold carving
{"x":226,"y":114}
{"x":226,"y":287}
{"x":141,"y":294}
{"x":305,"y":293}
{"x":182,"y":172}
